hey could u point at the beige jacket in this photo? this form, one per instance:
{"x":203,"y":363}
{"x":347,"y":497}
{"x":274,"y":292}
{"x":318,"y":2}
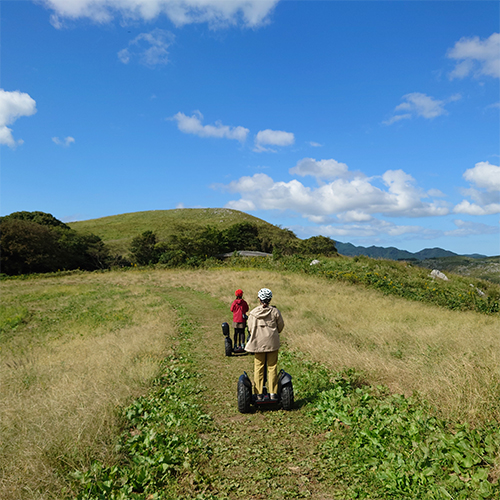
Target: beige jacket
{"x":264,"y":325}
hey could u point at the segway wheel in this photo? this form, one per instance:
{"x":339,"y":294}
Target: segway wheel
{"x":228,"y":346}
{"x":244,"y":397}
{"x":287,"y":397}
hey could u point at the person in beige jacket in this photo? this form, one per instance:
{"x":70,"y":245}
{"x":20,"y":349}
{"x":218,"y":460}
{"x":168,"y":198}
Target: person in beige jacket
{"x":265,"y":324}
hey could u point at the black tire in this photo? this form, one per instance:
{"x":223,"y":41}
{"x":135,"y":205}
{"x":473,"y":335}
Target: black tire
{"x":287,"y":397}
{"x":244,"y":397}
{"x":228,"y":346}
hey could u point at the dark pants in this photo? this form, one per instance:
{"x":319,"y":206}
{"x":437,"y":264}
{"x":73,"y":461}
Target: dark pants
{"x":239,"y":336}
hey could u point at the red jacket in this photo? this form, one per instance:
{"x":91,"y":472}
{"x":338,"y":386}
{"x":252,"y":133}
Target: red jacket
{"x":239,"y":307}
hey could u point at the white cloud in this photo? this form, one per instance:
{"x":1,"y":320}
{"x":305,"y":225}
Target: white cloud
{"x":466,"y":228}
{"x":13,"y":105}
{"x":420,"y":105}
{"x":272,"y":138}
{"x":192,"y":125}
{"x":355,"y":198}
{"x":64,"y":142}
{"x":484,"y":175}
{"x":150,"y":48}
{"x":397,"y":118}
{"x":476,"y":56}
{"x":484,"y":179}
{"x":217,"y":13}
{"x":321,"y":169}
{"x":315,"y":144}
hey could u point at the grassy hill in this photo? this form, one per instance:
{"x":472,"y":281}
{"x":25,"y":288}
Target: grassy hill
{"x":117,"y":231}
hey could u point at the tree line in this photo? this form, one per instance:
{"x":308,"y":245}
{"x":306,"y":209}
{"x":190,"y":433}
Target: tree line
{"x":37,"y":242}
{"x":193,"y":246}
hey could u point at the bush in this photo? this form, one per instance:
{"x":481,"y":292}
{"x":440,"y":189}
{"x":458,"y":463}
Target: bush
{"x":35,"y":242}
{"x":319,"y":245}
{"x":143,"y":249}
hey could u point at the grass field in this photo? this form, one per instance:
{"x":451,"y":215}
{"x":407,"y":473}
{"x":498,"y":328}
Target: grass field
{"x":83,"y":355}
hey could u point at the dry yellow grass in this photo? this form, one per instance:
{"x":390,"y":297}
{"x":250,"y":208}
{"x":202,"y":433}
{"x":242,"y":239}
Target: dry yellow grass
{"x":59,"y":391}
{"x":452,"y":358}
{"x":58,"y":399}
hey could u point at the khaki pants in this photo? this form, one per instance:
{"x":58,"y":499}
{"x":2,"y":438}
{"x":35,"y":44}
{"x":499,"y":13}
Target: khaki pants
{"x":272,"y":371}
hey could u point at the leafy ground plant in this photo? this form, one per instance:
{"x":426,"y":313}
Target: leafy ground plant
{"x":159,"y":442}
{"x":389,"y":446}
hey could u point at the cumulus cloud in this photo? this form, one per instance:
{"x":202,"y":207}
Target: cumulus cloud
{"x":151,"y":49}
{"x":272,"y":138}
{"x":484,"y":180}
{"x":193,"y":125}
{"x":321,"y":169}
{"x":348,"y":197}
{"x":477,"y":57}
{"x":63,"y":142}
{"x":13,"y":105}
{"x":251,"y":13}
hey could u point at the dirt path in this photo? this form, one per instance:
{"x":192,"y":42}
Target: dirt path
{"x":261,"y":455}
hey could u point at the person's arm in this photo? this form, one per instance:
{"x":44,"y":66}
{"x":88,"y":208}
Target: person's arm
{"x":279,"y":321}
{"x":250,"y":324}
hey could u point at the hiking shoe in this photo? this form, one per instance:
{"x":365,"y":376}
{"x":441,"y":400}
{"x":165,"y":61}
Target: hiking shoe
{"x":274,"y":397}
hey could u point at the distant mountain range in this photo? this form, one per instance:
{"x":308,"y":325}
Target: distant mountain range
{"x":393,"y":253}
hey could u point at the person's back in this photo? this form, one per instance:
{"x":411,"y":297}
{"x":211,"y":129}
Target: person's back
{"x":239,"y":308}
{"x":265,"y":324}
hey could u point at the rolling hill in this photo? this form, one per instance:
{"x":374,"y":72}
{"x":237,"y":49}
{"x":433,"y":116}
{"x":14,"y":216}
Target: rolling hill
{"x":117,"y":231}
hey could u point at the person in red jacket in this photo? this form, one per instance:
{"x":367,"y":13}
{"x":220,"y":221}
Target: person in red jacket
{"x":239,"y":308}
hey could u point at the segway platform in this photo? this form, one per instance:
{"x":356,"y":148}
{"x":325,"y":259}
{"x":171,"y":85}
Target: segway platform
{"x":246,"y":399}
{"x":228,"y":343}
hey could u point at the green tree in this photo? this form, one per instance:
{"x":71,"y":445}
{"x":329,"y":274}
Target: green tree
{"x":27,"y":247}
{"x":41,"y":218}
{"x":319,"y":245}
{"x":143,"y":248}
{"x":36,"y":242}
{"x":242,"y":236}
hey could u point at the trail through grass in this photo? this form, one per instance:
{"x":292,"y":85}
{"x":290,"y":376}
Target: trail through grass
{"x":183,"y":438}
{"x":266,"y":454}
{"x":343,"y":440}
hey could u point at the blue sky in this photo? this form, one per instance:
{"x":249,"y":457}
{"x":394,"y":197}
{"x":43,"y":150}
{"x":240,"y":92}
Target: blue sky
{"x":375,"y":123}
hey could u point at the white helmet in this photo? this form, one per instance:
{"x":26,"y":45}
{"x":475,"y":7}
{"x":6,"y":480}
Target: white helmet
{"x":265,"y":295}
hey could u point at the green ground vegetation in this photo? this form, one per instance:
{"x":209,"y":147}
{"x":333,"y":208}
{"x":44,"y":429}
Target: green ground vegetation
{"x":399,"y":279}
{"x":484,"y":269}
{"x":175,"y":433}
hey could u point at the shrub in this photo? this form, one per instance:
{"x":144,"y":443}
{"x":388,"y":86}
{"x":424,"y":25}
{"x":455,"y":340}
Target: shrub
{"x":143,"y":249}
{"x":35,"y":242}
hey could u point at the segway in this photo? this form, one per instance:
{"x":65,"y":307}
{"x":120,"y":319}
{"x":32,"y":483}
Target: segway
{"x":246,"y":398}
{"x":228,"y":343}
